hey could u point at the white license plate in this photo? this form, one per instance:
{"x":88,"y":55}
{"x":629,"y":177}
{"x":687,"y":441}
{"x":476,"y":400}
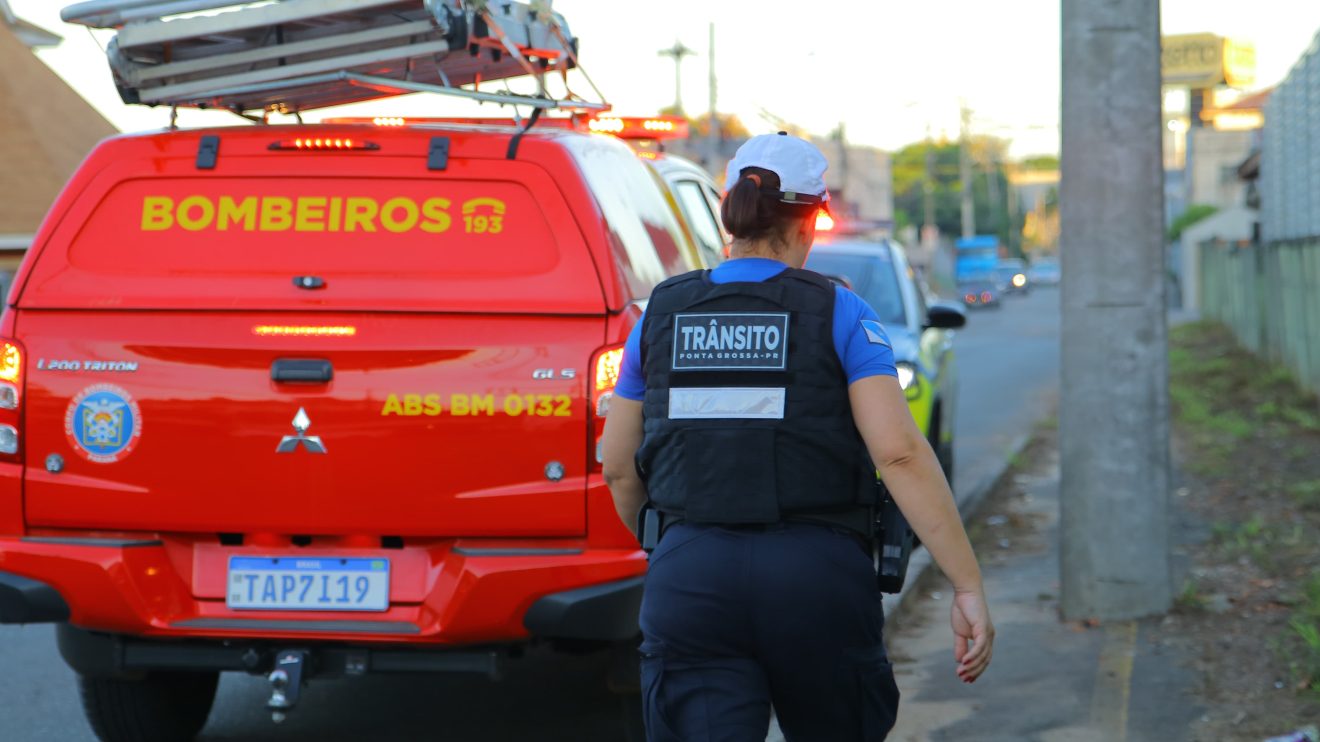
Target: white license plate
{"x":308,"y":584}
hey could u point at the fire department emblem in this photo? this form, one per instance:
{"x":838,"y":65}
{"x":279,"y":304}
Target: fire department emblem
{"x":103,"y":423}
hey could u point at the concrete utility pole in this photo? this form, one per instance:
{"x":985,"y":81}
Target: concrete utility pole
{"x":928,"y":188}
{"x":712,"y":131}
{"x":992,"y":191}
{"x":677,"y":52}
{"x":965,"y":173}
{"x":1113,"y":419}
{"x":841,"y":135}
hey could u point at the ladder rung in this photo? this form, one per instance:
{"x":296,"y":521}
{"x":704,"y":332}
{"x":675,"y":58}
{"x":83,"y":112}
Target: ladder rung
{"x":115,"y":13}
{"x":146,"y":33}
{"x":138,"y":74}
{"x":205,"y":88}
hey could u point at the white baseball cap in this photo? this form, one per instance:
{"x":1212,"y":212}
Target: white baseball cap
{"x":797,"y":162}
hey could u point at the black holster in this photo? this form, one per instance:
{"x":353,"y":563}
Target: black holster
{"x":650,"y":523}
{"x":894,"y":541}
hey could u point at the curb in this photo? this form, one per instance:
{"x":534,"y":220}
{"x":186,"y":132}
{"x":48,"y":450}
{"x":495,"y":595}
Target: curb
{"x":968,"y":506}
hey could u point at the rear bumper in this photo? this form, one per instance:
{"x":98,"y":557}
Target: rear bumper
{"x":24,"y":600}
{"x":445,"y":593}
{"x":607,"y":612}
{"x":96,"y":654}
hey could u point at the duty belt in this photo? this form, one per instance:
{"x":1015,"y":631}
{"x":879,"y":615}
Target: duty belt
{"x":652,"y":523}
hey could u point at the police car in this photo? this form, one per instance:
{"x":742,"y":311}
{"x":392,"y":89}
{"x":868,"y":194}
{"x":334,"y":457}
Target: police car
{"x":697,"y":200}
{"x":919,"y":329}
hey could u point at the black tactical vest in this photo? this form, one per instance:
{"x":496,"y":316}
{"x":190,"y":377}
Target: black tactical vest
{"x":747,"y":416}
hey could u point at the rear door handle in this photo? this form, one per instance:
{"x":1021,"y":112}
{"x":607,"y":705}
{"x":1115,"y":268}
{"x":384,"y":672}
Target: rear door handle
{"x":301,"y":371}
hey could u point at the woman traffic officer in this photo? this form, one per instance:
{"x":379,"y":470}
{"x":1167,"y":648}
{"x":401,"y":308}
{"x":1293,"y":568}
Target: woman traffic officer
{"x":756,"y":403}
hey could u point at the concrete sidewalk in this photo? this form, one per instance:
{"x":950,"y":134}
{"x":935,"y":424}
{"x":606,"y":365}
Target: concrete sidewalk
{"x":1050,"y":681}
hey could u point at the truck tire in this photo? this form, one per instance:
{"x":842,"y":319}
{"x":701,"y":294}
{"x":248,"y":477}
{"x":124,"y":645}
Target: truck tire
{"x":158,"y":707}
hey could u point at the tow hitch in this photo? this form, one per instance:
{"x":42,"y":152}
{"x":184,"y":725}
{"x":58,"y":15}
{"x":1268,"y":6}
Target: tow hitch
{"x":286,"y":682}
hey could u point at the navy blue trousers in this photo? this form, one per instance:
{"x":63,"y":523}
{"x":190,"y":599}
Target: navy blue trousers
{"x":736,"y":621}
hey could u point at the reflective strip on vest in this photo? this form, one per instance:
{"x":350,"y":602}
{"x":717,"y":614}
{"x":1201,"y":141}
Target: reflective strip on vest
{"x":713,"y":403}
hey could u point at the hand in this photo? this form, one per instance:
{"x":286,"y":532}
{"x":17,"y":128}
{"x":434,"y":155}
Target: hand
{"x":971,"y":623}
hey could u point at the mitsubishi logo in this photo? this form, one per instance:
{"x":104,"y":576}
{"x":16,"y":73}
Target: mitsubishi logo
{"x":289,"y":443}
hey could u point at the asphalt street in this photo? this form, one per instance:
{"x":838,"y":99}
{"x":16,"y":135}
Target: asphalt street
{"x":1008,"y":366}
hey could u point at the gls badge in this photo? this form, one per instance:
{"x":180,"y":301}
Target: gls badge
{"x":729,"y":341}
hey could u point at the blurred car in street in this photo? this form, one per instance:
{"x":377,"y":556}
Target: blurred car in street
{"x":1044,"y":273}
{"x":982,"y":293}
{"x":1012,"y":276}
{"x":696,"y":200}
{"x":919,"y":330}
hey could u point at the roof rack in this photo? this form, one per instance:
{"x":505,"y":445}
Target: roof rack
{"x":295,"y":55}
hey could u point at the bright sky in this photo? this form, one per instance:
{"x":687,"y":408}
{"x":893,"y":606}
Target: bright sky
{"x":885,"y":69}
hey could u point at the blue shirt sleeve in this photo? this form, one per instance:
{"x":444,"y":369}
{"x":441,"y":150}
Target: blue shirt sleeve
{"x":859,"y":338}
{"x":632,"y":384}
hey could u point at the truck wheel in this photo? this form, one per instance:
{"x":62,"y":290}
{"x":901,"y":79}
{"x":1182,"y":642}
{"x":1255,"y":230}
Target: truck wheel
{"x":158,"y":707}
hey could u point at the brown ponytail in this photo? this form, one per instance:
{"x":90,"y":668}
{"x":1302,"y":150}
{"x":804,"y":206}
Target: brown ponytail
{"x":752,"y":209}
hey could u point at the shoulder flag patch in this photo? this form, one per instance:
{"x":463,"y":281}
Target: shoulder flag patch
{"x":875,"y":332}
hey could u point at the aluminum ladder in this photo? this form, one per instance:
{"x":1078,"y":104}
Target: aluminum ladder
{"x":294,"y":55}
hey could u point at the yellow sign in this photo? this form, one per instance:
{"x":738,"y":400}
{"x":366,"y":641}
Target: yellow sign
{"x":1203,"y":60}
{"x":317,"y":214}
{"x":466,"y":405}
{"x":1239,"y":64}
{"x":1194,"y":60}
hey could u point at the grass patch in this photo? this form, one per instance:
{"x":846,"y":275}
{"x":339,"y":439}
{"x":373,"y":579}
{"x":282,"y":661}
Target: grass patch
{"x":1249,"y":437}
{"x":1270,"y":546}
{"x":1306,"y":493}
{"x":1305,"y":623}
{"x":1190,"y":600}
{"x":1223,"y":394}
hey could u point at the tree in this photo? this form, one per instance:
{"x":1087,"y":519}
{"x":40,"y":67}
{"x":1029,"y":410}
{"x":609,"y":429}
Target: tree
{"x":1193,"y":214}
{"x":909,"y":177}
{"x":1040,"y":162}
{"x":731,"y":127}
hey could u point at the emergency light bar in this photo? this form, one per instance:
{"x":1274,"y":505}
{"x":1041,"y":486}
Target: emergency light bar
{"x":633,"y":127}
{"x":396,"y":121}
{"x":655,"y":128}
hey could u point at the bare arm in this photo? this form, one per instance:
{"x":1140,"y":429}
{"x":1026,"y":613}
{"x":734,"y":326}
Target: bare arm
{"x":912,"y":473}
{"x":622,"y":438}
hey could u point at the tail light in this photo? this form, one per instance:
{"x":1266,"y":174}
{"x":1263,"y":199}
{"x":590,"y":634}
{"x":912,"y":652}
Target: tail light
{"x":11,"y":392}
{"x":970,"y":298}
{"x":605,"y":367}
{"x":985,"y":297}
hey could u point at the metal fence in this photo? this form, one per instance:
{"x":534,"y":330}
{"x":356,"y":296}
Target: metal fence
{"x":1290,"y":154}
{"x":1270,"y":296}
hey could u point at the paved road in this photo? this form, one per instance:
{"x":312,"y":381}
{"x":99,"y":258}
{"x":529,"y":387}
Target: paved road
{"x":1008,"y":362}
